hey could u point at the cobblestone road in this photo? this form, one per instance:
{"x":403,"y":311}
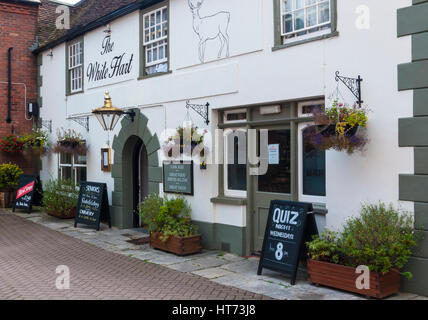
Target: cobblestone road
{"x":30,"y":254}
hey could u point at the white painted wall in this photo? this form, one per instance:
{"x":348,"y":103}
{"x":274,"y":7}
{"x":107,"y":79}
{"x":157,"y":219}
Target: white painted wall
{"x":253,"y":74}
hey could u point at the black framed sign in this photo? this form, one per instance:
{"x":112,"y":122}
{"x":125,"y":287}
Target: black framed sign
{"x":289,"y":226}
{"x":93,"y":205}
{"x":29,"y":193}
{"x":178,"y":177}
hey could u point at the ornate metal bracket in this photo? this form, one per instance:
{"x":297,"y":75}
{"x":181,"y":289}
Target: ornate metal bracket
{"x":47,"y":124}
{"x":83,"y":121}
{"x":353,"y":84}
{"x":201,"y":109}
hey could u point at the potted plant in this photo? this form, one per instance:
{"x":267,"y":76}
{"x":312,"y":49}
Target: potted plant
{"x":185,"y":139}
{"x":170,"y":226}
{"x":338,"y":128}
{"x":9,"y":177}
{"x":69,"y":141}
{"x":11,"y":144}
{"x":381,"y":239}
{"x":60,"y":199}
{"x":35,"y":143}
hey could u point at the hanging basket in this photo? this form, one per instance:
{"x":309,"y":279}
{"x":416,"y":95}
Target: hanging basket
{"x":71,"y":147}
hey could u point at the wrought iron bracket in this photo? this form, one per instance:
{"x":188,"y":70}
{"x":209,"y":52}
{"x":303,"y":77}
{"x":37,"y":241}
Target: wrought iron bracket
{"x":83,"y":121}
{"x":131,"y":114}
{"x":201,"y":109}
{"x":353,"y":84}
{"x":47,"y":124}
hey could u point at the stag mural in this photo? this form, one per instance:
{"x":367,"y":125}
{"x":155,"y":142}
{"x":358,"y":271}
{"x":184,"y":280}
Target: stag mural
{"x":210,"y":28}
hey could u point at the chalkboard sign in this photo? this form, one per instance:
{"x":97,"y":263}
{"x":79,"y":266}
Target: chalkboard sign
{"x":29,"y":193}
{"x":93,"y":205}
{"x":178,"y":177}
{"x":289,"y":226}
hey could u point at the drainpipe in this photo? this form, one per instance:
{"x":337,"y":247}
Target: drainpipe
{"x":9,"y":85}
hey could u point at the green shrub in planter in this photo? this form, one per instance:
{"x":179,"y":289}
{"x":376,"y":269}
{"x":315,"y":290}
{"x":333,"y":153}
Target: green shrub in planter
{"x":168,"y":216}
{"x":9,"y":175}
{"x":381,"y":238}
{"x":60,"y":198}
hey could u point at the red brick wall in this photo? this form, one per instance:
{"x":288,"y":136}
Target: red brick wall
{"x":18,"y":25}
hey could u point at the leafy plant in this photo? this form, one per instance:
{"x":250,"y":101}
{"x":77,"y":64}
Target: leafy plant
{"x":337,"y":128}
{"x":186,"y":139}
{"x":169,"y":217}
{"x":71,"y":142}
{"x":9,"y":175}
{"x":11,"y":143}
{"x":60,"y":197}
{"x":381,"y":238}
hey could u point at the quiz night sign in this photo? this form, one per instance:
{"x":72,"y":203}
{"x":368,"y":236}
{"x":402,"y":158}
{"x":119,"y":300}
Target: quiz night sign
{"x":110,"y":64}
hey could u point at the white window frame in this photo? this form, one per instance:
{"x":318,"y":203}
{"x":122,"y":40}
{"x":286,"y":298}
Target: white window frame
{"x":287,"y":36}
{"x":230,"y":192}
{"x":157,"y":42}
{"x":75,"y":66}
{"x":301,"y":127}
{"x":74,"y":166}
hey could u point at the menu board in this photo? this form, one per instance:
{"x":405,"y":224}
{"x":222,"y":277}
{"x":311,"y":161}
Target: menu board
{"x":178,"y":177}
{"x":29,"y":193}
{"x":93,"y":205}
{"x":289,"y":226}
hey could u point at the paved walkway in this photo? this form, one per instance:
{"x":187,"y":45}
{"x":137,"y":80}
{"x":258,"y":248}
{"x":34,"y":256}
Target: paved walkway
{"x":212,"y":268}
{"x":30,"y":254}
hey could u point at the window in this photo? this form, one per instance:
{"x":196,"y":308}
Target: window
{"x":72,"y":167}
{"x":312,"y":162}
{"x":75,"y":66}
{"x":235,"y":116}
{"x":155,"y":41}
{"x":304,"y":18}
{"x":235,"y":164}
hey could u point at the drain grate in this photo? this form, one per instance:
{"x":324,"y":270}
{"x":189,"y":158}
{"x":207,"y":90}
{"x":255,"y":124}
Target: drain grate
{"x":139,"y":241}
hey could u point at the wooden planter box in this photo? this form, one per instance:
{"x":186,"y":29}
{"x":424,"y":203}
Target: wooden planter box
{"x":344,"y":278}
{"x":69,"y":214}
{"x":178,"y":246}
{"x":7,"y":197}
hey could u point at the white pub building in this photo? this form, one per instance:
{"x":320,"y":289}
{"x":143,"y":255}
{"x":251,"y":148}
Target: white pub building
{"x":237,"y":65}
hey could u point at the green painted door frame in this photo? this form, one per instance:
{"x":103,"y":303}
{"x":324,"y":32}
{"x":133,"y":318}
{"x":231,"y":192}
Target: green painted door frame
{"x":123,"y":147}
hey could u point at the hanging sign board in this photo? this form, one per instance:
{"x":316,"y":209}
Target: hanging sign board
{"x":289,"y":226}
{"x":93,"y":205}
{"x":178,"y":177}
{"x":29,"y":193}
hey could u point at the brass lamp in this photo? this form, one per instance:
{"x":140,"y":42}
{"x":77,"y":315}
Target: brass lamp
{"x":108,"y":115}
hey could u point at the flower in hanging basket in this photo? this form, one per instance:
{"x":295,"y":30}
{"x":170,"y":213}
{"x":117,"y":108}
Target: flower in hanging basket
{"x":338,"y":128}
{"x":11,"y":144}
{"x":70,"y":142}
{"x":185,"y":141}
{"x":35,"y":143}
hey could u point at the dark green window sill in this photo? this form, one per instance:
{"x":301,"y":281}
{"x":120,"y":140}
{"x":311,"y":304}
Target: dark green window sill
{"x":229,"y":201}
{"x":74,"y":93}
{"x":297,"y":43}
{"x":154,"y":75}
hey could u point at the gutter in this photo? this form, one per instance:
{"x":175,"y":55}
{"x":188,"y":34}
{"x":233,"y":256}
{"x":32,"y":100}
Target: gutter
{"x":9,"y":85}
{"x":80,"y":30}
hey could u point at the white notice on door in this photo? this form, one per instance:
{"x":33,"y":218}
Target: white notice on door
{"x":273,"y":150}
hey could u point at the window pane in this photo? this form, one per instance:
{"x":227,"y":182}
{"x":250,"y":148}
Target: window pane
{"x":288,"y":23}
{"x":80,"y":159}
{"x":236,"y":161}
{"x":65,"y":158}
{"x":324,"y":12}
{"x":288,"y":5}
{"x":80,"y":174}
{"x":311,"y":16}
{"x":299,"y":22}
{"x":300,"y":4}
{"x":313,"y":169}
{"x":278,"y":177}
{"x":66,"y":173}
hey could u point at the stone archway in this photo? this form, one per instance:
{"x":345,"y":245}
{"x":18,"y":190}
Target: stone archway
{"x":123,"y":143}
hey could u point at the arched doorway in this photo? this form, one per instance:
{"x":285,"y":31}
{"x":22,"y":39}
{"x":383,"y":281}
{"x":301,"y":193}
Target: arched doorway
{"x":136,"y":169}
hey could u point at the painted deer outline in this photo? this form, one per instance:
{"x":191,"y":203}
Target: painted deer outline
{"x":209,"y":28}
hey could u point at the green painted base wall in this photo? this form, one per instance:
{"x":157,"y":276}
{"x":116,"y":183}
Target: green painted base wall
{"x":412,"y":21}
{"x":223,"y":237}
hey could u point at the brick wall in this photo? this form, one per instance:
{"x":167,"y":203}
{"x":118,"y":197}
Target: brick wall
{"x":18,"y":25}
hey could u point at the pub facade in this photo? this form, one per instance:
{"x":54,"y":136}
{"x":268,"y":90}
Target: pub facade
{"x":230,"y":70}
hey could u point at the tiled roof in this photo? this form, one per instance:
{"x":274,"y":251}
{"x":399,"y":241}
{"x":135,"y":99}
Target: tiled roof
{"x":81,"y":14}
